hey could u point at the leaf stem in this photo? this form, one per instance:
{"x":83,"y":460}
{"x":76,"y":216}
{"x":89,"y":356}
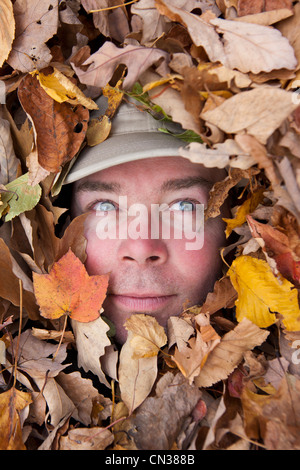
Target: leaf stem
{"x":112,"y":8}
{"x":61,"y":338}
{"x":19,"y":333}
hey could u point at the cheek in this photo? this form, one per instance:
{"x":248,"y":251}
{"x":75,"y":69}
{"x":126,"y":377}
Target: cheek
{"x":197,"y":264}
{"x":101,"y":254}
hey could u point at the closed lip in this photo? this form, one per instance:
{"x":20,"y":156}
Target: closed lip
{"x":145,"y":302}
{"x":142,"y":296}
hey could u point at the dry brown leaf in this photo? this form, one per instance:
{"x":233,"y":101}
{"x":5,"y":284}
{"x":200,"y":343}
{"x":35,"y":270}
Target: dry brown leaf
{"x":7,"y":34}
{"x":274,"y":417}
{"x":170,"y":101}
{"x":36,"y":22}
{"x":267,"y":18}
{"x":103,"y":63}
{"x":86,"y":439}
{"x":289,"y":28}
{"x":91,"y":340}
{"x":153,"y":24}
{"x":9,"y":163}
{"x":35,"y":358}
{"x":59,"y":130}
{"x":138,"y":359}
{"x":39,"y":333}
{"x":258,"y":151}
{"x":111,"y":23}
{"x":58,"y":403}
{"x":148,"y":335}
{"x":159,"y":419}
{"x":10,"y":286}
{"x":98,"y":130}
{"x":220,"y":190}
{"x":266,"y":48}
{"x":258,"y":6}
{"x":223,"y":296}
{"x":82,"y":393}
{"x":229,"y":352}
{"x":179,"y":332}
{"x":223,"y":155}
{"x":259,"y":112}
{"x":192,"y":357}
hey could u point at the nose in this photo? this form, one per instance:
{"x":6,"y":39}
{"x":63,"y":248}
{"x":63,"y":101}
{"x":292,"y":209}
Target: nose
{"x":143,"y":252}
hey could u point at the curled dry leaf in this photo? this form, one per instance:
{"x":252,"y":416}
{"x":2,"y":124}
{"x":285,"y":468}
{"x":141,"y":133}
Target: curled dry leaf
{"x":61,"y":88}
{"x":246,"y":208}
{"x":276,"y":245}
{"x":59,"y":130}
{"x":91,"y":340}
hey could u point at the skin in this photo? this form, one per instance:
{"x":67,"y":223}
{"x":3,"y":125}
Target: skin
{"x":160,"y":276}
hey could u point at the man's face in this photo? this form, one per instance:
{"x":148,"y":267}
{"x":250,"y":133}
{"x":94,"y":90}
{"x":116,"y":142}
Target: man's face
{"x":157,"y":276}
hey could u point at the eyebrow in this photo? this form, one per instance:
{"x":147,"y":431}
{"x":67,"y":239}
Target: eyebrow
{"x":184,"y":183}
{"x":98,"y":186}
{"x":169,"y":185}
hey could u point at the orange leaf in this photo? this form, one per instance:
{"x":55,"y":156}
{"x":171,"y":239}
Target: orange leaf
{"x":69,"y":290}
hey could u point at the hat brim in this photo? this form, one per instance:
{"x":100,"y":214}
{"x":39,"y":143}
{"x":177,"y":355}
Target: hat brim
{"x":123,"y":148}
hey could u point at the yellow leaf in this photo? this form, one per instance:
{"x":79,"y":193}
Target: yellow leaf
{"x":61,"y":89}
{"x":114,"y":97}
{"x":100,"y":127}
{"x":162,"y":81}
{"x":98,"y":130}
{"x":148,"y":335}
{"x":261,"y":295}
{"x":246,"y":208}
{"x":11,"y":403}
{"x":223,"y":93}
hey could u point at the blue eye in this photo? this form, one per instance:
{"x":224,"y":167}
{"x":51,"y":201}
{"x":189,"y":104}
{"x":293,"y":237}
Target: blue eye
{"x":104,"y":206}
{"x":183,"y":206}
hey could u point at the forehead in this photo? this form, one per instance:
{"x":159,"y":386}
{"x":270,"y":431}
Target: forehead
{"x":151,"y":171}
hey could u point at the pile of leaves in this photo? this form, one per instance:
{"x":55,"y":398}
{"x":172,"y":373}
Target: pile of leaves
{"x":225,"y":374}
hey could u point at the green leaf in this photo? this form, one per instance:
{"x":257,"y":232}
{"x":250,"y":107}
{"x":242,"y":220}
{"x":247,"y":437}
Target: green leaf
{"x":19,"y":197}
{"x":159,"y":114}
{"x":186,"y":136}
